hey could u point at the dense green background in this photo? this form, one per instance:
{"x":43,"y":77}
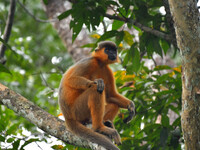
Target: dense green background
{"x":34,"y":76}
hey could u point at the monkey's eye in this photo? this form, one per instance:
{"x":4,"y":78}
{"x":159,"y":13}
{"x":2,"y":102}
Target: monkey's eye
{"x":106,"y":50}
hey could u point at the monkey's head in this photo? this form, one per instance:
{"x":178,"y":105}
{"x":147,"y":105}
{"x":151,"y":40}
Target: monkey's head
{"x":107,"y":52}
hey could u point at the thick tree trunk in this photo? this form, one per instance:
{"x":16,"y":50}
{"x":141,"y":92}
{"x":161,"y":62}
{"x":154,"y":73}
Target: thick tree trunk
{"x":186,"y":17}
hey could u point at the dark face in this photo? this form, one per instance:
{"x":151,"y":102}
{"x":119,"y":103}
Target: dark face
{"x":111,"y":52}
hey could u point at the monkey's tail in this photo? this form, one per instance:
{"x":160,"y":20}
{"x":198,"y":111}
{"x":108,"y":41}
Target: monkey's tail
{"x":86,"y":133}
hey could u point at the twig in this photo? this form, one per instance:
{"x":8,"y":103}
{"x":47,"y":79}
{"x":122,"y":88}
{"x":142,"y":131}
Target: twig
{"x":152,"y":31}
{"x":116,"y":17}
{"x":38,"y":146}
{"x":142,"y":54}
{"x":155,"y":63}
{"x":7,"y":30}
{"x":34,"y":17}
{"x":45,"y":82}
{"x":157,"y":33}
{"x":38,"y":73}
{"x":104,"y":26}
{"x":121,"y":13}
{"x":142,"y":27}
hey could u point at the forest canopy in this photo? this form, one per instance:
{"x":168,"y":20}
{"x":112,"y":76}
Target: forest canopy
{"x":47,"y":37}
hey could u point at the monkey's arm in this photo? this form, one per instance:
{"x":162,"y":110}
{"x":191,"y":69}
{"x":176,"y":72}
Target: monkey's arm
{"x":78,"y":76}
{"x":79,"y":82}
{"x":112,"y":96}
{"x":123,"y":102}
{"x":120,"y":100}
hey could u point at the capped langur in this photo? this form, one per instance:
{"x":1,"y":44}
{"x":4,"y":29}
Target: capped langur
{"x":88,"y":94}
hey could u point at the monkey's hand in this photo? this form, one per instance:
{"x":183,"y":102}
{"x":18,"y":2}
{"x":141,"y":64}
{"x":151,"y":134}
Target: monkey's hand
{"x":131,"y":109}
{"x":100,"y":85}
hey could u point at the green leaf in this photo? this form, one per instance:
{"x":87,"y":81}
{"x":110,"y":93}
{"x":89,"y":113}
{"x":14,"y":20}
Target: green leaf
{"x":57,"y":147}
{"x":163,"y":67}
{"x":126,"y":5}
{"x":108,"y":35}
{"x":119,"y":37}
{"x":136,"y":58}
{"x":110,"y":2}
{"x":91,"y":45}
{"x":128,"y":38}
{"x":45,"y":2}
{"x":8,"y":46}
{"x":127,"y":57}
{"x":65,"y":14}
{"x":162,"y":78}
{"x":77,"y":26}
{"x":10,"y":140}
{"x":164,"y":45}
{"x":175,"y":109}
{"x":149,"y":127}
{"x":2,"y":126}
{"x":16,"y":144}
{"x":177,"y":122}
{"x":150,"y":49}
{"x":13,"y":128}
{"x":163,"y":136}
{"x":156,"y":46}
{"x":165,"y":120}
{"x":2,"y":139}
{"x":70,"y":147}
{"x":28,"y":142}
{"x":4,"y":69}
{"x":117,"y":24}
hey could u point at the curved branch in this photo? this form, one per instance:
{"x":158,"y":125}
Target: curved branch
{"x":7,"y":30}
{"x":34,"y":17}
{"x":43,"y":120}
{"x":142,"y":27}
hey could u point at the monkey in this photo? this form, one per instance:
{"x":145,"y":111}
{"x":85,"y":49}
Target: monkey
{"x":87,"y":93}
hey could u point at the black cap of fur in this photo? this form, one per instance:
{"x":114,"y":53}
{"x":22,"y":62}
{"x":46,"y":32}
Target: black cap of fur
{"x":106,"y":44}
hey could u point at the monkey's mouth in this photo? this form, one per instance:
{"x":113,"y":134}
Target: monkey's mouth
{"x":112,"y":58}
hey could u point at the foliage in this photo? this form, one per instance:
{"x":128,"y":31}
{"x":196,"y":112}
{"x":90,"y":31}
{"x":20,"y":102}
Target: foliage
{"x":154,"y":96}
{"x":127,"y":17}
{"x":32,"y":72}
{"x":35,"y":68}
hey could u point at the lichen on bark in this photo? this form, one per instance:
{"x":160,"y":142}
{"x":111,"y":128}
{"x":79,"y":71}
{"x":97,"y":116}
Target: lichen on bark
{"x":186,"y":21}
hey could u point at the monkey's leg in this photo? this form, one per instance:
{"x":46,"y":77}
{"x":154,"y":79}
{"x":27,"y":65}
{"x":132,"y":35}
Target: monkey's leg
{"x":111,"y":110}
{"x":96,"y":105}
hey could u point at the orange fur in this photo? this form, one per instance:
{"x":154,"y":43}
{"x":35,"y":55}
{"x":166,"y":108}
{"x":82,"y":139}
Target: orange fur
{"x":81,"y":103}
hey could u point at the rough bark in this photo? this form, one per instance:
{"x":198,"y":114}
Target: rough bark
{"x":43,"y":120}
{"x":53,"y":9}
{"x":186,"y":18}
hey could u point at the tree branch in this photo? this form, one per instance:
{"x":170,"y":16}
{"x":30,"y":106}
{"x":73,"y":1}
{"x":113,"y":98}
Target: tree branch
{"x":34,"y":17}
{"x":7,"y":30}
{"x":43,"y":120}
{"x":142,"y":27}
